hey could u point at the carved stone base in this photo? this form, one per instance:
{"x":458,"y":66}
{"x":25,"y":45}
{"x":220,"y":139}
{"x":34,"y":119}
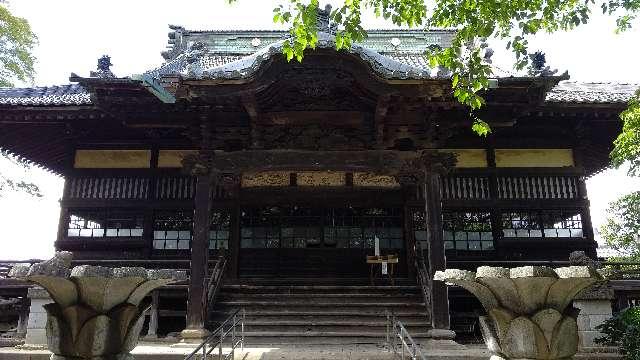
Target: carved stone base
{"x":194,"y":334}
{"x":441,"y":334}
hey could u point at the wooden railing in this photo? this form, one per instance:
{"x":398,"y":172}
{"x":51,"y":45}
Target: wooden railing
{"x":510,"y":186}
{"x":129,"y":188}
{"x":465,"y":187}
{"x":133,"y":187}
{"x":538,"y":187}
{"x":425,"y":282}
{"x":215,"y":281}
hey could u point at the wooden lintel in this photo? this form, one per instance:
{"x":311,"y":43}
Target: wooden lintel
{"x":388,"y":162}
{"x":336,"y":118}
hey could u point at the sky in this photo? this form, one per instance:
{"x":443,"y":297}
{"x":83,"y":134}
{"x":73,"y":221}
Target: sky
{"x":73,"y":34}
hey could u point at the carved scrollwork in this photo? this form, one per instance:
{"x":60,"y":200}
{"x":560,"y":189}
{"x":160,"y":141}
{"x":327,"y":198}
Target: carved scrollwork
{"x":198,"y":164}
{"x":436,"y":161}
{"x":413,"y":171}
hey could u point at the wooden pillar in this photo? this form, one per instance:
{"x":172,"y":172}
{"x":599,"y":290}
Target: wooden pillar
{"x":234,"y":243}
{"x":23,"y":318}
{"x":410,"y":241}
{"x":585,"y":213}
{"x":439,"y":294}
{"x":196,"y":305}
{"x":152,"y":332}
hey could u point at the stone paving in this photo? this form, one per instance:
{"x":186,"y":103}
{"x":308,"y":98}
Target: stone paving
{"x":433,"y":351}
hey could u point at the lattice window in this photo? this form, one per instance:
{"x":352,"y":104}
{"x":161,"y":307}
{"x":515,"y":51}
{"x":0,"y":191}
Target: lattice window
{"x":542,"y":223}
{"x":104,"y":223}
{"x":562,"y":224}
{"x":172,"y":230}
{"x":523,"y":223}
{"x":260,"y":228}
{"x":298,"y":227}
{"x":384,"y":223}
{"x":419,"y":232}
{"x":359,"y":227}
{"x":219,"y":230}
{"x":86,"y":224}
{"x":467,"y":231}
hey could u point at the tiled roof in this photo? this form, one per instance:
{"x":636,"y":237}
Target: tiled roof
{"x":179,"y":64}
{"x":584,"y":92}
{"x":71,"y":94}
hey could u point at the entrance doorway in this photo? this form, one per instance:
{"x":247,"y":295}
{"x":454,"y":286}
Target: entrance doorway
{"x":302,"y":241}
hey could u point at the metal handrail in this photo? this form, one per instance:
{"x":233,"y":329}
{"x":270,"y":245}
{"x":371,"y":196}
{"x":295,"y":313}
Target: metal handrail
{"x":216,"y":339}
{"x":396,"y":331}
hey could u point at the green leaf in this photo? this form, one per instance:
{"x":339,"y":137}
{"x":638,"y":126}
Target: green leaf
{"x":480,"y":127}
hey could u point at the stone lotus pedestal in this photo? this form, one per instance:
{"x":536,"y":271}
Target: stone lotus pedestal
{"x":97,"y":312}
{"x":528,"y":308}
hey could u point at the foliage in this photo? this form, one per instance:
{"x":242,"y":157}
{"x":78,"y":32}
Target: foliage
{"x":621,"y":230}
{"x":623,"y":331}
{"x":8,"y":183}
{"x":475,"y":21}
{"x":17,"y":42}
{"x":627,"y":145}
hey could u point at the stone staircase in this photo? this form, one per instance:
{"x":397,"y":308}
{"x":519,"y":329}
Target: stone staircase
{"x":315,"y":311}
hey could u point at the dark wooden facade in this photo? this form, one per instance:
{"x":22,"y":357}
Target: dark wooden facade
{"x":295,"y":170}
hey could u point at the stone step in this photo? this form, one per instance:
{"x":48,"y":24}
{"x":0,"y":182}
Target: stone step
{"x":321,"y":298}
{"x":379,"y":335}
{"x":320,"y":281}
{"x":346,"y":330}
{"x":345,"y":294}
{"x":322,"y":312}
{"x":306,"y":304}
{"x":241,"y":288}
{"x":328,"y":320}
{"x":305,"y":341}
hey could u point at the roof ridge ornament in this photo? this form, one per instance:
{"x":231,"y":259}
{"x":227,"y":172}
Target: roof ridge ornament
{"x":538,"y":62}
{"x":104,"y":71}
{"x":323,"y":21}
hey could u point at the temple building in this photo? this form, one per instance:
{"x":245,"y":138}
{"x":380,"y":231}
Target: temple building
{"x":295,"y":172}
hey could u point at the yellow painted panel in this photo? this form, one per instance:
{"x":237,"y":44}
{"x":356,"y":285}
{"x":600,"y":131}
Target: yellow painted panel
{"x":534,"y":157}
{"x":469,"y":158}
{"x":112,"y":159}
{"x":365,"y":179}
{"x":321,"y":178}
{"x":172,"y":158}
{"x":266,"y":178}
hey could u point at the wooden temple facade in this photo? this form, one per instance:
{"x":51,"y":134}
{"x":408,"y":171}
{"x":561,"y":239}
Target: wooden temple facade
{"x":296,"y":170}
